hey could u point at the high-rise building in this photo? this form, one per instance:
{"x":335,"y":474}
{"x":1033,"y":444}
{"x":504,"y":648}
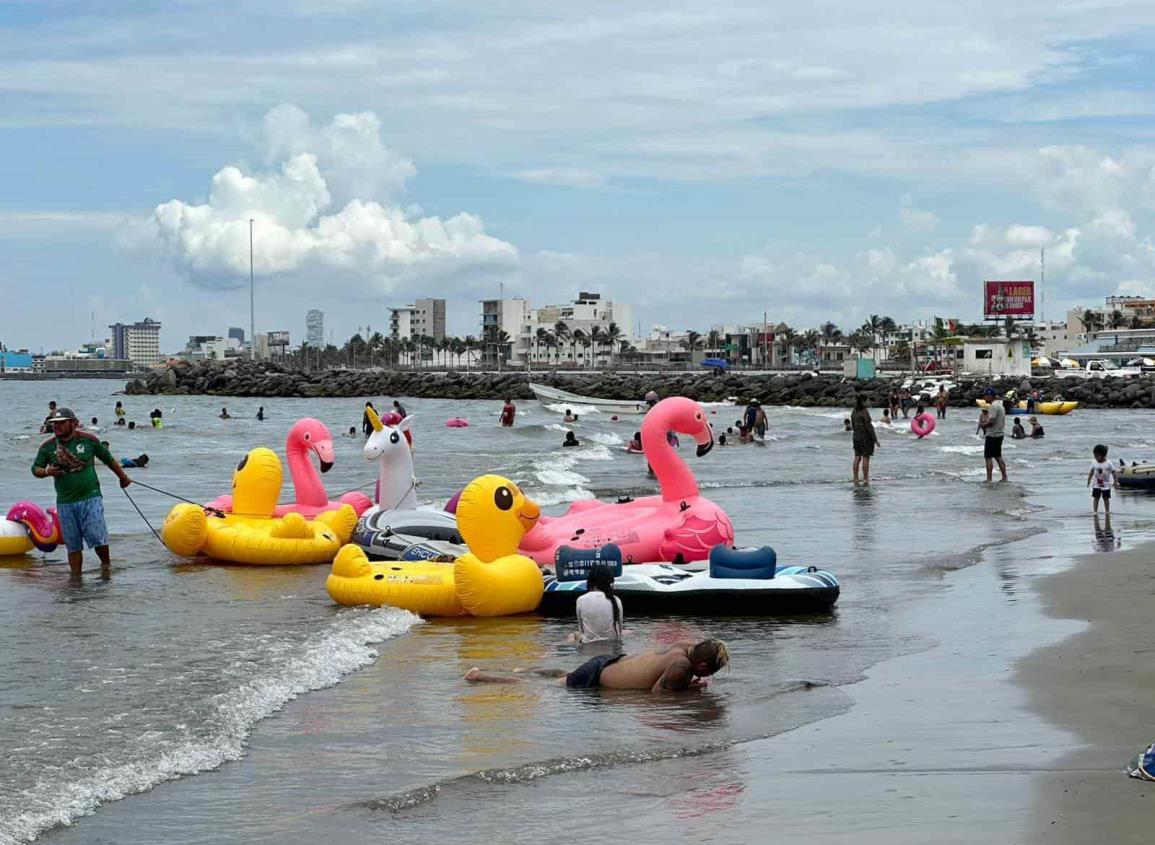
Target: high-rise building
{"x":511,"y":316}
{"x":424,"y":318}
{"x":237,"y":334}
{"x":315,"y":328}
{"x":138,"y":342}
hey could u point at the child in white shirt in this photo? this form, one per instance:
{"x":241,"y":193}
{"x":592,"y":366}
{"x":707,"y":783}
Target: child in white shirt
{"x":1104,"y":476}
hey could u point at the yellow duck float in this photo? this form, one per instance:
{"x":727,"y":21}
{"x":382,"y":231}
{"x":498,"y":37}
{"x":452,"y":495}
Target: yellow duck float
{"x":492,"y":579}
{"x":251,"y":534}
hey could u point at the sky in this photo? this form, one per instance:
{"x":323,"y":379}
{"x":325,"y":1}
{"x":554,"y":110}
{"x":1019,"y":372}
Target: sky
{"x":707,"y":163}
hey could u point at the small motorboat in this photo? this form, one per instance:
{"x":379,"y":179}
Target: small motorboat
{"x":553,"y":396}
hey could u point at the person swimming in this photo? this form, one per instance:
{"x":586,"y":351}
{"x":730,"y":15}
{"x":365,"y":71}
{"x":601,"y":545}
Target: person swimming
{"x":570,"y":440}
{"x":139,"y":462}
{"x":678,"y":667}
{"x":1017,"y":430}
{"x":635,"y":445}
{"x":570,"y":416}
{"x":352,"y":432}
{"x":225,"y":414}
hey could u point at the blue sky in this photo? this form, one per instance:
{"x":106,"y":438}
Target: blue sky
{"x":706,"y":162}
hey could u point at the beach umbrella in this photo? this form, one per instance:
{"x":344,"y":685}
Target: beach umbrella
{"x":1044,"y":361}
{"x":1069,"y":362}
{"x":1141,"y":362}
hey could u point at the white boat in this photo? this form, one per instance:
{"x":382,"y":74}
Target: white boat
{"x":552,"y":396}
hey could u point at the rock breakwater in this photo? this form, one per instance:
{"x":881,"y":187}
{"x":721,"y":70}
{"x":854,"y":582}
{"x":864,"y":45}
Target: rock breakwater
{"x":267,"y":379}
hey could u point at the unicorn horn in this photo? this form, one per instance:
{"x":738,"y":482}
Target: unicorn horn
{"x":374,"y":420}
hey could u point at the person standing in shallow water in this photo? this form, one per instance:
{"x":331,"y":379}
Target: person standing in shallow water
{"x":69,"y":460}
{"x":508,"y":412}
{"x":863,"y":437}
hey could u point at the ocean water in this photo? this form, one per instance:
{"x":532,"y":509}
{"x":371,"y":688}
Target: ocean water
{"x":186,"y":702}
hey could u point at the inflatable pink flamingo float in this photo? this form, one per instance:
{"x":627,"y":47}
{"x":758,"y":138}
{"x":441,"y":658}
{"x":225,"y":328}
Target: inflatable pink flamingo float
{"x":308,"y":436}
{"x":678,"y":526}
{"x":26,"y":526}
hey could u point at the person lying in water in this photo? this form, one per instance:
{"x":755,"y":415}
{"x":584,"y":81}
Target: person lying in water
{"x":675,"y":668}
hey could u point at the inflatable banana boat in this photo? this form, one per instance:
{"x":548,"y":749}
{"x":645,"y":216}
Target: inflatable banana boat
{"x":250,"y":533}
{"x":489,"y":579}
{"x":1140,"y":477}
{"x":740,"y":582}
{"x":1059,"y":408}
{"x":28,"y":527}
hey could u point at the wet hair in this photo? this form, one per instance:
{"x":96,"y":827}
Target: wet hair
{"x":52,"y":404}
{"x":637,"y":435}
{"x":118,"y":404}
{"x":1100,"y":451}
{"x":721,"y":439}
{"x":352,"y":429}
{"x":713,"y":653}
{"x":568,"y":412}
{"x":569,"y":436}
{"x":93,"y":421}
{"x":601,"y":577}
{"x":132,"y":425}
{"x":886,"y":412}
{"x":141,"y":460}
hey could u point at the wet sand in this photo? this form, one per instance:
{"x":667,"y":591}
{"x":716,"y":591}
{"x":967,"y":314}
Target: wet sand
{"x":1098,"y":684}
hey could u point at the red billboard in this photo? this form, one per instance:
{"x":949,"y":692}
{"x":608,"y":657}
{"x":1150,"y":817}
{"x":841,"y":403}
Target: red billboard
{"x":1008,"y":299}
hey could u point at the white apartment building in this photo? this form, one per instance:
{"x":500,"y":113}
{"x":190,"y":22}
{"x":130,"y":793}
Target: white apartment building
{"x":512,"y":316}
{"x":582,"y":315}
{"x":138,"y":342}
{"x":315,"y":328}
{"x":424,"y":318}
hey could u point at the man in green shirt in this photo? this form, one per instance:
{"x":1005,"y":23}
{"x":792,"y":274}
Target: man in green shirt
{"x":69,"y":459}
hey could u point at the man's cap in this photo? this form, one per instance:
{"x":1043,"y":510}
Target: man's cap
{"x":990,"y":391}
{"x":61,"y":415}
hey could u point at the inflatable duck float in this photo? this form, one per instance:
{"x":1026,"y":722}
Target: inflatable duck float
{"x":251,"y":533}
{"x":28,"y":527}
{"x":308,"y":437}
{"x":491,"y":579}
{"x":679,"y":526}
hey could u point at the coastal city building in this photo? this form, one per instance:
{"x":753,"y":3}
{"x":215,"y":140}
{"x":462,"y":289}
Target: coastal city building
{"x":505,"y":330}
{"x":424,"y":318}
{"x":315,"y":328}
{"x":19,"y":361}
{"x":211,"y":347}
{"x":137,"y":342}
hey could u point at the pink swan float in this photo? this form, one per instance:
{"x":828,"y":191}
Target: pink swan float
{"x":28,"y":525}
{"x":308,"y":436}
{"x":677,"y":526}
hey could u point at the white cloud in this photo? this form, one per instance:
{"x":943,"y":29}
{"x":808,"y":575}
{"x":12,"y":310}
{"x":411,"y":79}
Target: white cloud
{"x":567,"y":177}
{"x":298,"y":230}
{"x":916,"y":219}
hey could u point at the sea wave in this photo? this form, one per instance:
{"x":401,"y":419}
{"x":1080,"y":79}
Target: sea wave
{"x":321,"y":661}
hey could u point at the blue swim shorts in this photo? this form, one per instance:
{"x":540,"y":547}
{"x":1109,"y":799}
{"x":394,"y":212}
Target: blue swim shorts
{"x":83,"y":522}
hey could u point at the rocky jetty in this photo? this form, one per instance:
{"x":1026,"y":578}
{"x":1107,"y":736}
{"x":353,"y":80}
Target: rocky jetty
{"x":266,"y":379}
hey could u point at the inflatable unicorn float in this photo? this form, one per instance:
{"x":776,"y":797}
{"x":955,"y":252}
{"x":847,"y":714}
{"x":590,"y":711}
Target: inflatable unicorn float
{"x":677,"y":526}
{"x":26,"y":527}
{"x":307,"y":437}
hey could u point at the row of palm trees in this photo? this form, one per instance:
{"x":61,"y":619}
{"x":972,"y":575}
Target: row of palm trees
{"x":1095,"y":321}
{"x":592,"y":344}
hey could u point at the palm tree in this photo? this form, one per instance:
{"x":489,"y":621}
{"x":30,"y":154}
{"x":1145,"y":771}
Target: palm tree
{"x":809,"y":342}
{"x":539,"y":339}
{"x":789,"y":337}
{"x":598,"y":338}
{"x":470,"y":343}
{"x":562,"y":333}
{"x":1136,"y":323}
{"x":613,"y":336}
{"x":887,"y":327}
{"x":1092,"y":320}
{"x":551,"y":346}
{"x":501,"y":340}
{"x":577,"y":338}
{"x":1116,"y":319}
{"x":1009,"y":327}
{"x":692,"y":342}
{"x":873,"y":326}
{"x":830,"y":333}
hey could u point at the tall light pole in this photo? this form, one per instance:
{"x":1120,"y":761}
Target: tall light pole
{"x":252,"y":299}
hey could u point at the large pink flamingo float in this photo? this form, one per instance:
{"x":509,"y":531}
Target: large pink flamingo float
{"x":308,"y":436}
{"x":27,"y":525}
{"x":677,"y":526}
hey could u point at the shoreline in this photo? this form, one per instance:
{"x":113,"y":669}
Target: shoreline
{"x":1096,"y":684}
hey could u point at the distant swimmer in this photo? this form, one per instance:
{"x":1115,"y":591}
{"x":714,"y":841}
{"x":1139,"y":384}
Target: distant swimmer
{"x":635,"y":445}
{"x":1017,"y":430}
{"x":366,"y":425}
{"x":132,"y":426}
{"x":570,"y":416}
{"x":156,"y":418}
{"x":508,"y":412}
{"x":1036,"y":428}
{"x":675,"y":668}
{"x":261,"y":413}
{"x":846,"y":426}
{"x":570,"y":440}
{"x":119,"y":413}
{"x":46,"y":426}
{"x":140,"y":462}
{"x":399,"y":409}
{"x":651,"y":398}
{"x":225,"y":414}
{"x":352,"y":432}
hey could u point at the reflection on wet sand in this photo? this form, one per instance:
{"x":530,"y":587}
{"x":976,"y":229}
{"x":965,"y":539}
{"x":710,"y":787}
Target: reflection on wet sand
{"x":1105,"y":538}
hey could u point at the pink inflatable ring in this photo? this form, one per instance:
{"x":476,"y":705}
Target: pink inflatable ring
{"x":922,"y":425}
{"x":457,"y":422}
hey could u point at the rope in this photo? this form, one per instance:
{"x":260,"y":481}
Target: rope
{"x":142,"y":516}
{"x":213,"y":511}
